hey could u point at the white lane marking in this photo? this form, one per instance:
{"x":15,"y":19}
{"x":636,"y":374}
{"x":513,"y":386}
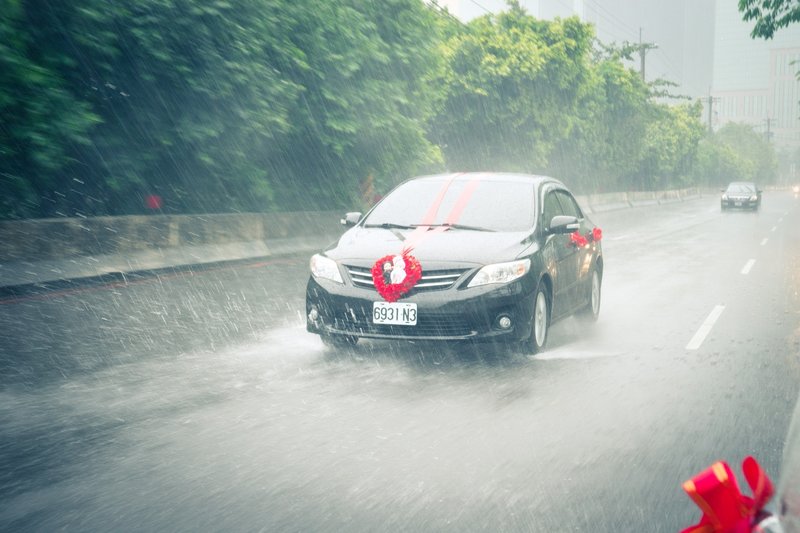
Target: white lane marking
{"x":572,"y":354}
{"x":774,"y":228}
{"x":705,"y":328}
{"x":763,"y":242}
{"x":748,"y":266}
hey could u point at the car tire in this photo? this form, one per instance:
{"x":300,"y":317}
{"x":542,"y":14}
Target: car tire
{"x":339,"y":341}
{"x":591,"y":312}
{"x":540,"y":321}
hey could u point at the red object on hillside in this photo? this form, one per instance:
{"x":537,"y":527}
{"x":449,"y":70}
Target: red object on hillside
{"x":153,"y":201}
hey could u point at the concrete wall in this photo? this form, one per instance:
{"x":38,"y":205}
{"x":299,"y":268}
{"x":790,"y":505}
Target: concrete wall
{"x":597,"y":203}
{"x":48,"y":250}
{"x":44,"y":239}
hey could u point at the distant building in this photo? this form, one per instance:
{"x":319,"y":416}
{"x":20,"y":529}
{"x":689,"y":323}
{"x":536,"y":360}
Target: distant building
{"x":754,"y":79}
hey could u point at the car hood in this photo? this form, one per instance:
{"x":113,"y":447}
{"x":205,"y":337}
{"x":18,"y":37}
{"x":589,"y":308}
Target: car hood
{"x":447,"y":249}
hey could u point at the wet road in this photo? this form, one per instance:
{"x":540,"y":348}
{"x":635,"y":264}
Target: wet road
{"x":197,"y":401}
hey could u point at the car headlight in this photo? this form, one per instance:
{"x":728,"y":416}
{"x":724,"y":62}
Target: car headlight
{"x":325,"y":268}
{"x":501,"y":273}
{"x":753,"y":198}
{"x":725,"y":197}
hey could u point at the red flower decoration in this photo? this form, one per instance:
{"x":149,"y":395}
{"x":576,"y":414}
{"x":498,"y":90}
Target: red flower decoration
{"x":395,"y":275}
{"x":577,"y":239}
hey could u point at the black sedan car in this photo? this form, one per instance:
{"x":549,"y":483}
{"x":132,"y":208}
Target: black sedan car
{"x":741,"y":195}
{"x":475,"y":256}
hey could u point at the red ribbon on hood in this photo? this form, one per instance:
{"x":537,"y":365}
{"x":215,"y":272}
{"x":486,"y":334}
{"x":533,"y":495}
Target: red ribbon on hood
{"x":412,"y":271}
{"x":725,"y":508}
{"x":424,"y":229}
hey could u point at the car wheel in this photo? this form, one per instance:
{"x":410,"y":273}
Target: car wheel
{"x":592,"y":310}
{"x":540,"y":321}
{"x":339,"y":341}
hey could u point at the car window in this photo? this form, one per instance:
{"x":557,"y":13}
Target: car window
{"x":743,"y":188}
{"x":568,"y":204}
{"x":552,"y":207}
{"x":495,"y":205}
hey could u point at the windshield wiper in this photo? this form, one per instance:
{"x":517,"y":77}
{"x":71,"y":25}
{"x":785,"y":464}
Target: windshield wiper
{"x":390,"y":225}
{"x":460,"y":226}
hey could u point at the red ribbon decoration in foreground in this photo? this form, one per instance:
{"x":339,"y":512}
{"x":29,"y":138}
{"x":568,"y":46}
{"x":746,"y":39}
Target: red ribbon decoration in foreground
{"x":725,"y":508}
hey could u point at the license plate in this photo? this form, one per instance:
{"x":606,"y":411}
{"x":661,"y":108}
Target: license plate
{"x":395,"y":313}
{"x":737,"y":204}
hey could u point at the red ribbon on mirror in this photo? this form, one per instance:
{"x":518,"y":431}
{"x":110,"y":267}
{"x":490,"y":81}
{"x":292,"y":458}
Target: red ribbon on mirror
{"x":579,"y":241}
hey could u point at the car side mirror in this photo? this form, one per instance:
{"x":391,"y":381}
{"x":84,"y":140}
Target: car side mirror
{"x":564,"y":224}
{"x":350,"y":219}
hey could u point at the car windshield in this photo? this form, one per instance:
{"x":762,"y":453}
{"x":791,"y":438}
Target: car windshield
{"x":491,"y":205}
{"x":741,"y":188}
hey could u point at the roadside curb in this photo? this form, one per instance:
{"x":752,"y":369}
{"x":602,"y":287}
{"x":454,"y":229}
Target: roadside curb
{"x":44,"y":276}
{"x":23,"y":290}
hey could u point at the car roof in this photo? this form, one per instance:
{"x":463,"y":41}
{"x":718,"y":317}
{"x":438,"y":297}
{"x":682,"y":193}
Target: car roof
{"x":490,"y":176}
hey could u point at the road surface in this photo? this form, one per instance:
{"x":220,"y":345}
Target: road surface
{"x":196,"y":401}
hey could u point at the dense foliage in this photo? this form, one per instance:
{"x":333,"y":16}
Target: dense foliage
{"x":769,"y":15}
{"x":735,"y":153}
{"x":263,"y":105}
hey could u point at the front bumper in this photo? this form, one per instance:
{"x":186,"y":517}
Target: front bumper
{"x":451,"y":314}
{"x":739,"y":203}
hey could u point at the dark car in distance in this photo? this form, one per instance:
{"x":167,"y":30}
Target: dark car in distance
{"x":459,"y":257}
{"x":740,"y":195}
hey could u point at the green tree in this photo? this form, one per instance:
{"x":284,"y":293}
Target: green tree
{"x":735,"y":153}
{"x":43,"y":120}
{"x":512,"y":87}
{"x":753,"y":148}
{"x":603,"y":150}
{"x":718,"y":164}
{"x":769,"y":15}
{"x":670,"y":147}
{"x":367,"y":95}
{"x":216,"y":106}
{"x":193,"y":96}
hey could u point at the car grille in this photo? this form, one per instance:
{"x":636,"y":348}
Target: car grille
{"x":434,"y":280}
{"x":360,"y":323}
